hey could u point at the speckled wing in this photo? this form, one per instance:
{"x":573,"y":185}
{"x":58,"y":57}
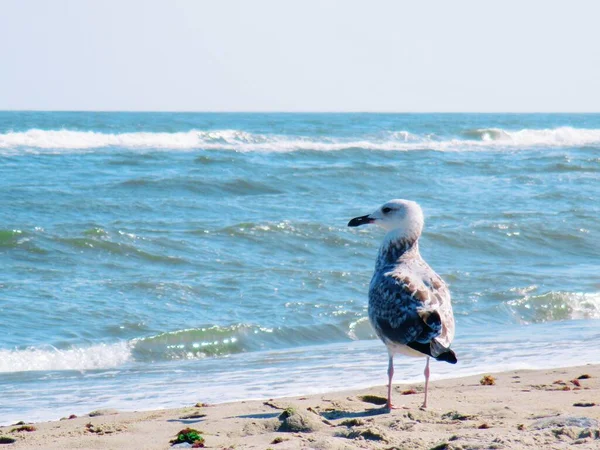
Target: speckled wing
{"x":411,"y":306}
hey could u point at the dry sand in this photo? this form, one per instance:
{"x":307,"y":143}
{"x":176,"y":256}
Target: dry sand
{"x":542,"y":409}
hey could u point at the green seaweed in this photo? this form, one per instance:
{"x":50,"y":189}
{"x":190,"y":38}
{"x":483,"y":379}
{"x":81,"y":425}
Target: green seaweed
{"x":193,"y":416}
{"x":352,"y":422}
{"x":442,"y":446}
{"x":375,"y":399}
{"x":191,"y":436}
{"x":287,"y":412}
{"x":28,"y":428}
{"x":372,"y":435}
{"x":455,"y":415}
{"x":367,"y":434}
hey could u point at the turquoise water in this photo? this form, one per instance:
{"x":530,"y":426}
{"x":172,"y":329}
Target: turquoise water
{"x":160,"y":259}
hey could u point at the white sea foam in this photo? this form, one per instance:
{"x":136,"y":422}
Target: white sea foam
{"x":59,"y":141}
{"x":554,"y":137}
{"x":77,"y":358}
{"x":72,"y":140}
{"x":553,"y":306}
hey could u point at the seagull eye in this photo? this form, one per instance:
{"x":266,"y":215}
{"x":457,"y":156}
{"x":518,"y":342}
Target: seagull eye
{"x":386,"y":210}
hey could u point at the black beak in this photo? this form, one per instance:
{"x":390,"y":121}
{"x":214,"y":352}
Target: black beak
{"x":362,"y":220}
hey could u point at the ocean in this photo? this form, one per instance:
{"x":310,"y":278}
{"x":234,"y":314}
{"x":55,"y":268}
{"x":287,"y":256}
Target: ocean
{"x":154,"y":260}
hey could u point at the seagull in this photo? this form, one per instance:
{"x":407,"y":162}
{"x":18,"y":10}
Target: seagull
{"x":409,"y":304}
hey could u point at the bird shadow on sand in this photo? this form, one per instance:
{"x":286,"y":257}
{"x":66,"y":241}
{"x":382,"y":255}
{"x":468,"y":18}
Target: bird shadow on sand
{"x":341,"y":414}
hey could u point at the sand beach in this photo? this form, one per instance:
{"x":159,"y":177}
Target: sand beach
{"x":534,"y":409}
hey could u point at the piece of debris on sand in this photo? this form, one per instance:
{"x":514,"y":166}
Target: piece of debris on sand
{"x":487,"y":380}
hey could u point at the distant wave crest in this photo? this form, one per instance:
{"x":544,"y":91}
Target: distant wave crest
{"x":552,"y":137}
{"x":78,"y":140}
{"x":59,"y":141}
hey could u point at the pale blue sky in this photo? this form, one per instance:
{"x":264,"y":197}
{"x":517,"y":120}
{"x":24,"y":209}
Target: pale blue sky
{"x":300,"y":55}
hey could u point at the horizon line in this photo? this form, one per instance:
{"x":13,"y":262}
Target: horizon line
{"x":183,"y":111}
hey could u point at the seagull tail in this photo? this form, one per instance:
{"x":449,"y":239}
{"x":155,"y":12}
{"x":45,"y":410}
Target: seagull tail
{"x":442,"y":353}
{"x":427,"y":342}
{"x":448,"y":356}
{"x":435,"y":350}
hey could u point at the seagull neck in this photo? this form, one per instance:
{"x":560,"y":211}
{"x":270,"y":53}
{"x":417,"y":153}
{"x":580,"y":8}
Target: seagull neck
{"x":397,"y":246}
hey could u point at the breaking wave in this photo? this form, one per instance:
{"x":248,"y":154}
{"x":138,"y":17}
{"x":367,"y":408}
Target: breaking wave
{"x":221,"y":341}
{"x":193,"y":343}
{"x":94,"y":357}
{"x":215,"y":341}
{"x":59,"y":141}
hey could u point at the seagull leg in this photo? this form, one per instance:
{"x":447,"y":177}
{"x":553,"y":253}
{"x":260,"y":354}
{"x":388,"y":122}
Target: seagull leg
{"x":390,"y":376}
{"x":426,"y":373}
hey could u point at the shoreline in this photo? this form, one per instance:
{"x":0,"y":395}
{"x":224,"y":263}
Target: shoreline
{"x":315,"y":369}
{"x":545,"y":408}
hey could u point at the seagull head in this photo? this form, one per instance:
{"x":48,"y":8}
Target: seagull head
{"x":404,"y":217}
